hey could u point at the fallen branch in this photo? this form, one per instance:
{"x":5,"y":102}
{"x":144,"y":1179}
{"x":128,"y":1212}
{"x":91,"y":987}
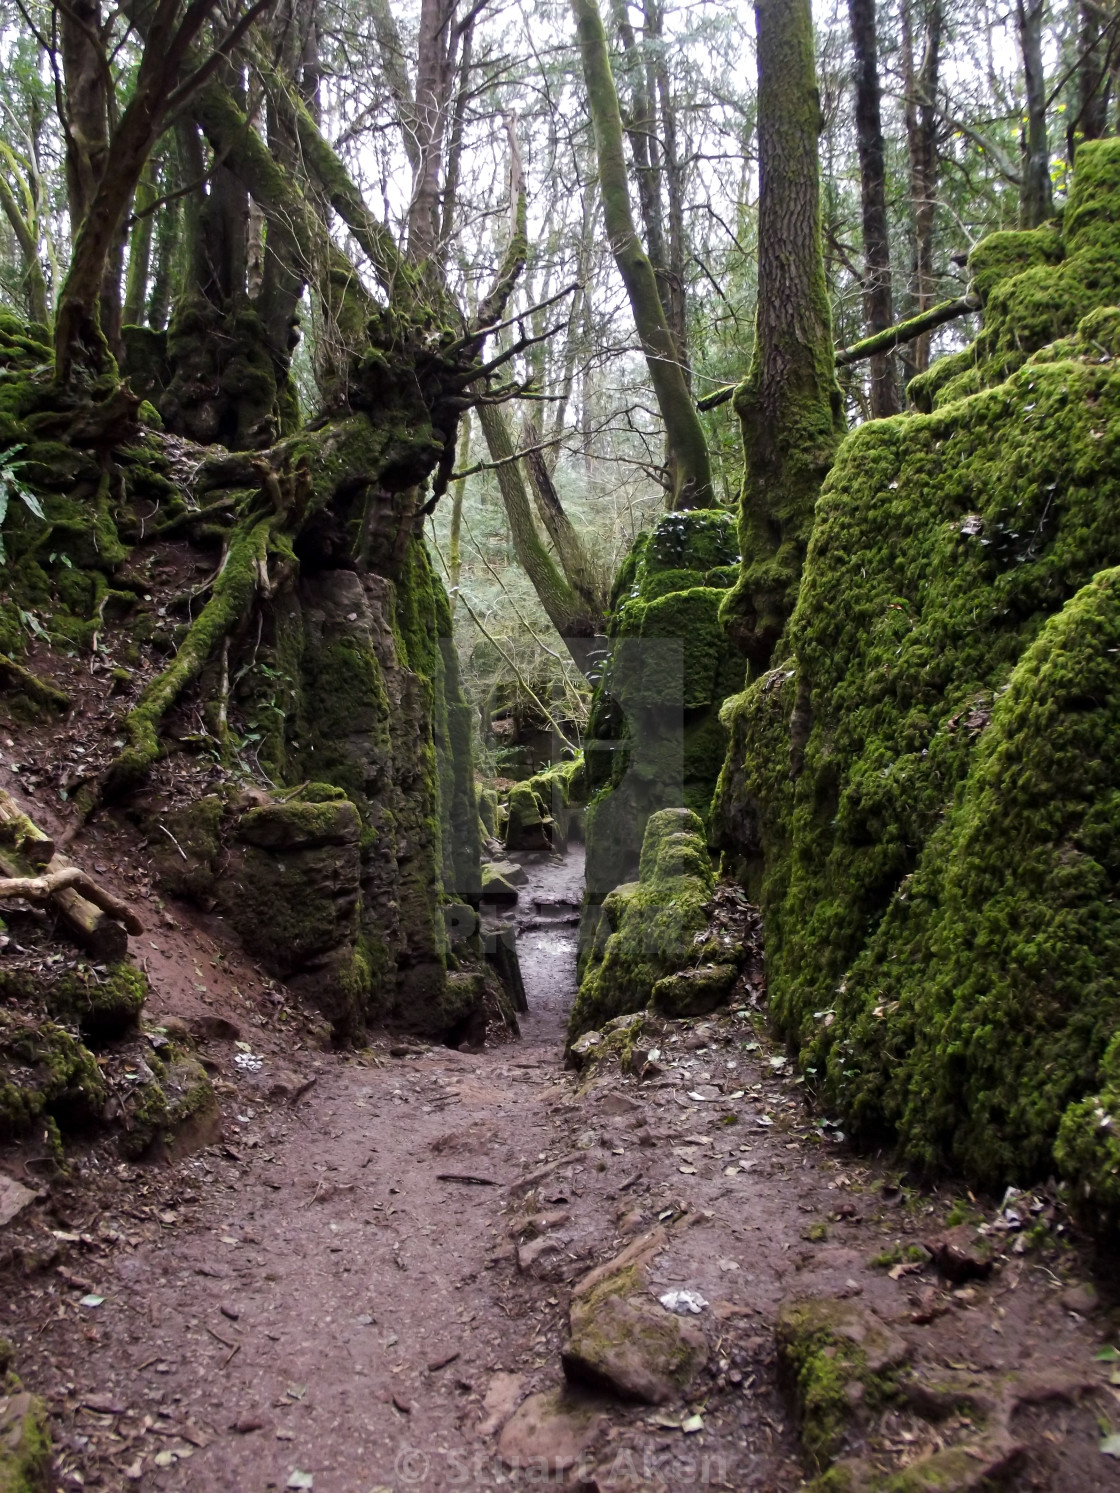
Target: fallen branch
{"x":31,"y":868}
{"x":43,"y":888}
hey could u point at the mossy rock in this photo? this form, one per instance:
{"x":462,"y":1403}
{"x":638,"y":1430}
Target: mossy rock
{"x":923,"y":795}
{"x":186,"y":847}
{"x":26,"y":1459}
{"x":653,"y":923}
{"x":654,"y":739}
{"x":837,"y":1359}
{"x":623,"y":1341}
{"x":528,"y":823}
{"x":694,"y":992}
{"x":105,"y":1003}
{"x":46,"y":1070}
{"x":172,"y":1114}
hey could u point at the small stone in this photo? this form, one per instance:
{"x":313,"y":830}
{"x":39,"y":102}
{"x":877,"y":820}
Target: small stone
{"x":959,"y":1256}
{"x":550,"y":1432}
{"x":14,"y":1199}
{"x":231,"y":1313}
{"x":1081,"y":1299}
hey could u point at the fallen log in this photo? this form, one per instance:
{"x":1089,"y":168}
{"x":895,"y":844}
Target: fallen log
{"x":31,"y":868}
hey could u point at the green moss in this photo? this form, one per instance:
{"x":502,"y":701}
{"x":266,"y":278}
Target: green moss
{"x":835,"y":1359}
{"x":654,"y":738}
{"x":923,"y":796}
{"x":652,"y":923}
{"x":105,"y":1002}
{"x":1037,"y":286}
{"x":26,"y":1461}
{"x":1088,"y":1146}
{"x":173,"y":1111}
{"x":44,"y":1069}
{"x":186,"y":844}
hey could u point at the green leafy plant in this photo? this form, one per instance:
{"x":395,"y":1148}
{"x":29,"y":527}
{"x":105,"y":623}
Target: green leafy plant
{"x":12,"y":485}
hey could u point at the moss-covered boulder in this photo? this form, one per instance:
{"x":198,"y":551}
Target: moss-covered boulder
{"x":546,"y":810}
{"x":923,"y":795}
{"x":26,"y":1460}
{"x":46,"y":1071}
{"x":838,"y":1360}
{"x":649,"y":928}
{"x":171,"y":1112}
{"x":105,"y":1002}
{"x":625,"y":1342}
{"x":654,"y":739}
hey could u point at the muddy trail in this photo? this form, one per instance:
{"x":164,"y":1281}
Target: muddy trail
{"x":371,"y":1280}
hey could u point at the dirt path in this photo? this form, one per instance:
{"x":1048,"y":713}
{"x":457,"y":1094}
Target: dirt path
{"x":332,"y":1298}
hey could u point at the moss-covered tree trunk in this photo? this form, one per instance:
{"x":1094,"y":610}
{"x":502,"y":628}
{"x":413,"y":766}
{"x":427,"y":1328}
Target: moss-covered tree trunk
{"x":692,"y":476}
{"x":789,"y":404}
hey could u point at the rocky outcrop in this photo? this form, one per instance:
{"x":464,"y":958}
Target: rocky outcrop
{"x":339,"y":888}
{"x":669,"y":939}
{"x":654,"y":740}
{"x":922,"y":794}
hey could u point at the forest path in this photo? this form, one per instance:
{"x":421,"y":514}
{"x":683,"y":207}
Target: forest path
{"x":326,"y":1300}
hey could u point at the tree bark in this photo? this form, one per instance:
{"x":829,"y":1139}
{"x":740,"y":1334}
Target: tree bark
{"x":25,"y":228}
{"x":878,"y":300}
{"x":1036,"y":203}
{"x":692,"y":486}
{"x":789,"y":404}
{"x":80,"y":338}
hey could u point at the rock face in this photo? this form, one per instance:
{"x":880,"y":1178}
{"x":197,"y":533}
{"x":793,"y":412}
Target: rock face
{"x":654,"y":739}
{"x":623,"y":1341}
{"x":923,"y":795}
{"x":338,"y":888}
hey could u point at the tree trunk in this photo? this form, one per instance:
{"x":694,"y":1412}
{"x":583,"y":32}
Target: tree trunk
{"x":167,"y":245}
{"x":580,"y":630}
{"x":433,"y":86}
{"x":789,"y":405}
{"x":676,"y":304}
{"x":692,"y":486}
{"x":920,"y":91}
{"x":1036,"y":203}
{"x":25,"y":229}
{"x":1093,"y":77}
{"x":878,"y":299}
{"x":586,"y":579}
{"x":139,"y":251}
{"x":455,"y":538}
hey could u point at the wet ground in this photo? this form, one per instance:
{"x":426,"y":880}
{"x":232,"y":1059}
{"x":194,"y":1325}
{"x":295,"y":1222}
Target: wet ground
{"x":331,"y":1298}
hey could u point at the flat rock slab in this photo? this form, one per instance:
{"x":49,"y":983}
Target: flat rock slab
{"x":14,"y":1198}
{"x":624,"y":1342}
{"x":503,"y":1394}
{"x":632,"y":1347}
{"x":550,"y":1432}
